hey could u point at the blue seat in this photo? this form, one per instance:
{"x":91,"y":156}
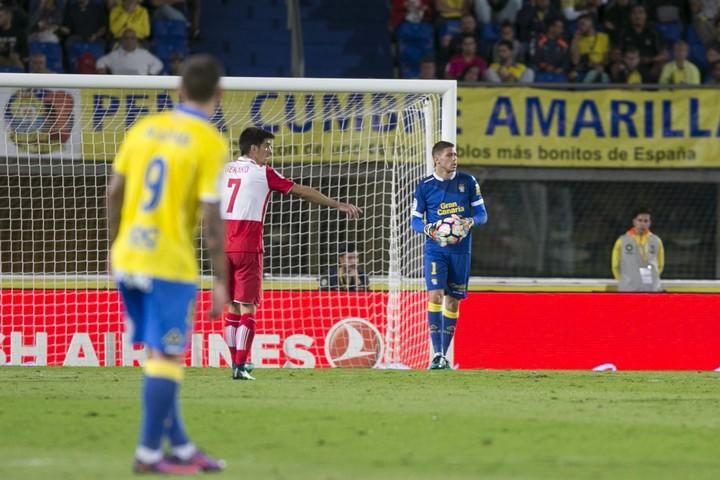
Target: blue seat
{"x":489,"y":33}
{"x":448,"y":27}
{"x":692,"y":36}
{"x":169,"y":28}
{"x":415,"y":42}
{"x":670,"y":32}
{"x":409,"y":71}
{"x":548,"y":77}
{"x":165,"y":50}
{"x":11,"y":69}
{"x":52,"y":52}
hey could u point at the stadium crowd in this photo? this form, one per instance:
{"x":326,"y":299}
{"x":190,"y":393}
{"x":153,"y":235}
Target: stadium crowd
{"x":550,"y":41}
{"x":96,"y":36}
{"x":496,"y":41}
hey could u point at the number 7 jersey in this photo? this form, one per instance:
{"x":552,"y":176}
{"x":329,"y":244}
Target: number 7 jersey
{"x":246,"y":188}
{"x":171,"y":162}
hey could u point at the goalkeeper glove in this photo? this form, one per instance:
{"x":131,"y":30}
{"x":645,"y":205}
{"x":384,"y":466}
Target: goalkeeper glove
{"x":467,"y":224}
{"x":431,"y":231}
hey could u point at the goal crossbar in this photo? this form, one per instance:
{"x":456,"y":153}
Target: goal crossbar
{"x":446,"y":88}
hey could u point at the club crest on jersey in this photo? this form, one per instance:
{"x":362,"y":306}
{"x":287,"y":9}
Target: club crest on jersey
{"x":173,"y":338}
{"x":461,"y":187}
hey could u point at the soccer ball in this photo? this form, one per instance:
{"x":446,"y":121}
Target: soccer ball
{"x":450,"y":230}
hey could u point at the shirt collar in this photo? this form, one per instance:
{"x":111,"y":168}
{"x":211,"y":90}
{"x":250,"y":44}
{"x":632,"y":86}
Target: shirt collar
{"x":439,"y":178}
{"x":193,"y":112}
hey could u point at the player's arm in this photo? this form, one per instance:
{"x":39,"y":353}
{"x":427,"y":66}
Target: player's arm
{"x":417,"y":215}
{"x":615,"y":261}
{"x":115,"y":197}
{"x":660,"y":257}
{"x":311,"y":195}
{"x":214,"y":236}
{"x":212,"y":223}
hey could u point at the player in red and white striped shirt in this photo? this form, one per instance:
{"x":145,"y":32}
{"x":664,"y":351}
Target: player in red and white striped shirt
{"x":246,"y":187}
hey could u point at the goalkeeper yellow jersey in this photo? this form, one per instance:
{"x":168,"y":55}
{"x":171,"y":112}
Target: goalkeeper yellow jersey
{"x":171,"y":162}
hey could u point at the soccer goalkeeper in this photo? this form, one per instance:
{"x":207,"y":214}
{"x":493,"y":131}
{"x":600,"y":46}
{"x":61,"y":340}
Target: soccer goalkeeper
{"x":446,"y":193}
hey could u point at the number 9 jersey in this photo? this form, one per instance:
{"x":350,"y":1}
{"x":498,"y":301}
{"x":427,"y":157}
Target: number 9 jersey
{"x":171,"y":162}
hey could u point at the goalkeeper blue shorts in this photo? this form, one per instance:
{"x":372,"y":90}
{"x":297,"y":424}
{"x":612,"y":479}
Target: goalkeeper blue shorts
{"x":449,"y":272}
{"x":159,"y":312}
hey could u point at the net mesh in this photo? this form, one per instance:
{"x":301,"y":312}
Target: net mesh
{"x":369,"y":149}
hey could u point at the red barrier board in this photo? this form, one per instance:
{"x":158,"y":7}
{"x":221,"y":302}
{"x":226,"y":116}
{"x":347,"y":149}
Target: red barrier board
{"x":585,"y":330}
{"x":294,"y":329}
{"x":314,"y":329}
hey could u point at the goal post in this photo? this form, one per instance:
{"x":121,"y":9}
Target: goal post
{"x":363,"y":141}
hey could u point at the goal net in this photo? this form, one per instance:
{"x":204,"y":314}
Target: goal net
{"x":366,"y":142}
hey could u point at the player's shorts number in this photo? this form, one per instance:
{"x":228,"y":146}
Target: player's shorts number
{"x":154,"y":182}
{"x":433,"y":268}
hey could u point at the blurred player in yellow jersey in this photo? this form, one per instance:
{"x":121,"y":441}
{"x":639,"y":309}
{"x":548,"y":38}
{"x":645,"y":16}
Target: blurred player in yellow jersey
{"x":166,"y":171}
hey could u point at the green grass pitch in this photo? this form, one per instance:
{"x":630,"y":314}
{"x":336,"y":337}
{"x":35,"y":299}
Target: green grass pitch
{"x":65,"y":423}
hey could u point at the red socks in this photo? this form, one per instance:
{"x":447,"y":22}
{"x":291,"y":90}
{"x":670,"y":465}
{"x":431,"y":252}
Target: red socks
{"x":244,"y":337}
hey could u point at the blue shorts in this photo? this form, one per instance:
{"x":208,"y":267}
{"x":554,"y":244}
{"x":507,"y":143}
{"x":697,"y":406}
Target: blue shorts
{"x":448,"y":272}
{"x":160,"y":313}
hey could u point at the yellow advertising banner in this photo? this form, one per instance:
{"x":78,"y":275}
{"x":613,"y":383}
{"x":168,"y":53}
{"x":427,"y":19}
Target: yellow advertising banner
{"x":589,"y":129}
{"x":311,"y":127}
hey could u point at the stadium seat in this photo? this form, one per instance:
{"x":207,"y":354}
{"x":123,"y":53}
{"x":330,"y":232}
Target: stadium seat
{"x":489,"y":33}
{"x":52,"y":52}
{"x":698,"y":52}
{"x":415,"y":42}
{"x":547,"y":77}
{"x":11,"y":69}
{"x":669,"y":32}
{"x":78,"y":49}
{"x":448,"y":27}
{"x":169,"y":28}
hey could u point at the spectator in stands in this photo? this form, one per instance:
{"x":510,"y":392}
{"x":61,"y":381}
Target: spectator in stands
{"x":346,"y":275}
{"x":84,"y":21}
{"x":13,"y":42}
{"x":175,"y":63}
{"x":471,"y":75}
{"x":680,"y":71}
{"x":616,"y":18}
{"x":712,"y":53}
{"x":451,"y":45}
{"x":667,"y":11}
{"x":428,"y":69}
{"x":507,"y":34}
{"x":506,"y":70}
{"x":451,"y":9}
{"x":628,"y":71}
{"x":574,"y":9}
{"x":589,"y":49}
{"x":551,"y":52}
{"x":647,"y":41}
{"x":497,"y":11}
{"x":129,"y":59}
{"x":187,"y":11}
{"x":638,"y":257}
{"x":38,"y":63}
{"x":706,"y":19}
{"x":532,"y":19}
{"x":129,"y":15}
{"x":45,"y":21}
{"x":468,"y":56}
{"x":596,"y":74}
{"x":714,"y":77}
{"x":409,"y":11}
